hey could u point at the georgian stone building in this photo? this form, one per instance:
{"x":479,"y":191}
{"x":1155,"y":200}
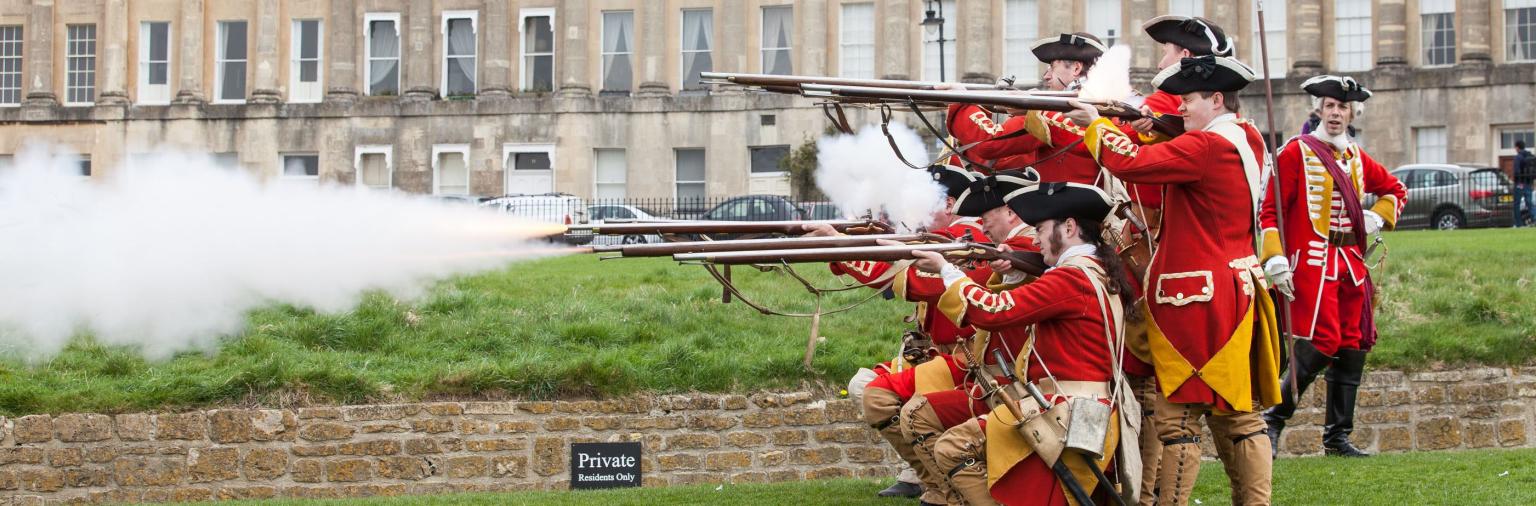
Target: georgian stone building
{"x":600,"y":97}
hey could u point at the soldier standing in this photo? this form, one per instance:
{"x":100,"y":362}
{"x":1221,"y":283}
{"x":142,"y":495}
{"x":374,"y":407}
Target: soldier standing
{"x":1323,"y":177}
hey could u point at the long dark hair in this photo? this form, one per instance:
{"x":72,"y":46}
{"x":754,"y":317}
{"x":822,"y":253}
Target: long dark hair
{"x":1119,"y":284}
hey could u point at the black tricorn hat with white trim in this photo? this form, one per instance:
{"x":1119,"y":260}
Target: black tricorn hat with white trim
{"x":1199,"y":35}
{"x":954,"y":179}
{"x":1341,"y":88}
{"x":1083,"y":47}
{"x":1059,"y":201}
{"x":1204,"y":73}
{"x":987,"y":193}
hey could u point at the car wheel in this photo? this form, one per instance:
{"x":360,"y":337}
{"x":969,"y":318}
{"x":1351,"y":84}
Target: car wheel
{"x":634,"y":239}
{"x":1448,"y":219}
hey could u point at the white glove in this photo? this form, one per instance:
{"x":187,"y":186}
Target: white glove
{"x":1278,"y":270}
{"x":860,"y":380}
{"x":1373,"y":222}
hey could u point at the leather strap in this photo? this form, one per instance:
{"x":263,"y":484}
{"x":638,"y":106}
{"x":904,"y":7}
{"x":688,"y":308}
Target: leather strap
{"x":1244,"y":437}
{"x":1186,"y":440}
{"x":968,"y":462}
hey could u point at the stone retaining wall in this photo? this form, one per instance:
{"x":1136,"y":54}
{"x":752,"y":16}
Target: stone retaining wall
{"x":435,"y":448}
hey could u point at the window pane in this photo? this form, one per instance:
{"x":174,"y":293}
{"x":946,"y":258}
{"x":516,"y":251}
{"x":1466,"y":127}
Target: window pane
{"x":461,"y":37}
{"x":158,"y":73}
{"x":611,"y":166}
{"x":778,"y":25}
{"x":453,"y":174}
{"x":690,"y":191}
{"x":858,"y":41}
{"x":159,"y":34}
{"x":374,"y":171}
{"x":530,"y":161}
{"x":1021,"y":24}
{"x":461,"y":76}
{"x":931,"y":58}
{"x":301,"y":165}
{"x":309,"y":44}
{"x":766,"y":158}
{"x":690,"y":165}
{"x":616,"y":72}
{"x":539,"y":37}
{"x":543,"y":73}
{"x":234,"y":40}
{"x":1274,"y":35}
{"x":618,"y":42}
{"x":1104,"y":20}
{"x":233,"y":87}
{"x":1352,"y":34}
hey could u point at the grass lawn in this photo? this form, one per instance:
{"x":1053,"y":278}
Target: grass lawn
{"x":1471,"y":477}
{"x":574,"y":327}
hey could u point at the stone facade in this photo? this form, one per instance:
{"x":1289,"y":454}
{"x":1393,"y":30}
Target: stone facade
{"x":1482,"y":95}
{"x":436,"y":448}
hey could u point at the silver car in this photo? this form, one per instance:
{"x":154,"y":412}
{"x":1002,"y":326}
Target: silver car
{"x":1450,"y":196}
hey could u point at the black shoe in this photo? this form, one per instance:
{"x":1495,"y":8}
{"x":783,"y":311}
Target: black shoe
{"x":1339,"y":414}
{"x":902,"y":489}
{"x":1308,"y":362}
{"x":1345,"y":449}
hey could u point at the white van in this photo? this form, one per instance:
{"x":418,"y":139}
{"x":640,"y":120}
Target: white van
{"x":560,"y":208}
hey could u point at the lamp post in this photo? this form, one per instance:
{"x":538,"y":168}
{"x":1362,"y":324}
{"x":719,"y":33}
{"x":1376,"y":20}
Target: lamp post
{"x":933,"y":23}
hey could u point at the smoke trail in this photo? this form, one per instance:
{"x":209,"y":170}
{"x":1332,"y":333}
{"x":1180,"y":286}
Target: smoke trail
{"x":860,"y":172}
{"x":1110,"y":78}
{"x":170,"y":254}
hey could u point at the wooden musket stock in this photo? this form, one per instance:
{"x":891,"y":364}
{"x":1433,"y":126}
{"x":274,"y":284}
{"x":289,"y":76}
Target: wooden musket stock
{"x":730,"y":227}
{"x":673,"y":248}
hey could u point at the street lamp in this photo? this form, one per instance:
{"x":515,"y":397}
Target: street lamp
{"x":933,"y":23}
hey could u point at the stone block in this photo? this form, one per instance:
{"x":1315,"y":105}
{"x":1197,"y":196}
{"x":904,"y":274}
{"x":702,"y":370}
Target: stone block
{"x":1384,"y":415}
{"x":844,"y":435}
{"x":865,"y":454}
{"x":1428,"y":394}
{"x":562,"y":423}
{"x":537,"y":407}
{"x":693,"y":441}
{"x":245,"y":493}
{"x":490,"y":408}
{"x":315,"y":450}
{"x":181,"y":426}
{"x":85,"y":477}
{"x":746,"y":439}
{"x":65,"y":457}
{"x":213,"y":464}
{"x":470,"y":426}
{"x":379,"y":412}
{"x":445,"y":408}
{"x":422,"y":446}
{"x":308,"y":471}
{"x":23,"y":455}
{"x":844,"y":410}
{"x":783,"y":475}
{"x":516,"y":427}
{"x":815,"y":456}
{"x":1479,"y":434}
{"x":710,"y":422}
{"x":515,"y":466}
{"x":265,"y":464}
{"x":497,"y":445}
{"x":734,"y":402}
{"x":348,"y":470}
{"x":678,"y":461}
{"x":750,"y":477}
{"x":549,"y":456}
{"x":1301,"y":441}
{"x":148,"y":471}
{"x":725,"y":461}
{"x":432,"y":426}
{"x":790,"y":437}
{"x":40,"y":479}
{"x":762,"y":420}
{"x":231,"y":425}
{"x":826,"y":473}
{"x":602,"y":423}
{"x":386,"y":427}
{"x":319,"y":414}
{"x":1398,"y":397}
{"x":1438,"y":434}
{"x":577,"y":407}
{"x":378,"y":447}
{"x":473,"y":466}
{"x":404,"y":468}
{"x":1512,"y":433}
{"x":1395,"y":439}
{"x":654,"y":422}
{"x":805,"y":416}
{"x":135,"y":427}
{"x":698,"y":478}
{"x":325,"y":431}
{"x":273,"y":425}
{"x":33,"y":429}
{"x":101,"y":454}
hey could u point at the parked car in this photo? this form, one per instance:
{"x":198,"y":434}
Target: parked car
{"x":753,"y":208}
{"x":560,"y":208}
{"x":823,"y":211}
{"x":1451,"y":196}
{"x":602,"y":213}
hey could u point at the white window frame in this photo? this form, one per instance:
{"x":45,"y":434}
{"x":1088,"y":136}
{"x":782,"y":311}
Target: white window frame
{"x":20,"y":57}
{"x":1339,"y":51}
{"x":1511,"y":37}
{"x":474,"y":29}
{"x":282,"y":163}
{"x":95,"y":66}
{"x":762,"y":28}
{"x":776,"y":173}
{"x":1023,"y":73}
{"x":702,"y":182}
{"x":368,"y":19}
{"x":154,"y":94}
{"x":682,"y":52}
{"x":469,"y":167}
{"x":219,"y":60}
{"x":1279,"y":59}
{"x":298,"y":91}
{"x":1445,"y":149}
{"x":602,"y":69}
{"x":509,"y":166}
{"x":373,"y":149}
{"x":596,"y":182}
{"x":843,"y":44}
{"x":526,"y":71}
{"x":1498,"y":148}
{"x":1099,"y":14}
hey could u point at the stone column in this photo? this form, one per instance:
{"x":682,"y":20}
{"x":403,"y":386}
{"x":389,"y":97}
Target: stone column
{"x":39,"y":51}
{"x":651,"y":35}
{"x":1472,"y":21}
{"x":1144,"y":51}
{"x":1306,"y":35}
{"x":420,"y":55}
{"x":573,"y":21}
{"x":341,"y":74}
{"x":265,"y":60}
{"x":897,"y":27}
{"x":1391,"y":32}
{"x":812,"y":22}
{"x":190,"y":55}
{"x":113,"y":68}
{"x":495,"y":58}
{"x":1225,"y":14}
{"x":974,"y":37}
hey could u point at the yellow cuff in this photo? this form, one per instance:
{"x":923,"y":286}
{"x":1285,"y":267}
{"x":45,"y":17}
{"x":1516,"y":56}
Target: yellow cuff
{"x":1271,"y":246}
{"x":1036,"y":127}
{"x":952,"y":303}
{"x":1093,"y":136}
{"x":1386,"y":207}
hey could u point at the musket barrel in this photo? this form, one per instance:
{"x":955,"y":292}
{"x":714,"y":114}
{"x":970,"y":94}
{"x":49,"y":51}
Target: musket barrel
{"x":818,"y":255}
{"x":1043,"y":101}
{"x":720,"y":227}
{"x":777,"y":82}
{"x":673,"y":248}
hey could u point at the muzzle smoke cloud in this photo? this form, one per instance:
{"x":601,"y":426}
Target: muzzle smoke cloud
{"x":860,"y":172}
{"x":171,"y":253}
{"x":1110,"y":78}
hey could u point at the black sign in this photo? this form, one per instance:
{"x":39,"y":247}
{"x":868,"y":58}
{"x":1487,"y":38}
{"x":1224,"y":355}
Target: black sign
{"x":605,"y":465}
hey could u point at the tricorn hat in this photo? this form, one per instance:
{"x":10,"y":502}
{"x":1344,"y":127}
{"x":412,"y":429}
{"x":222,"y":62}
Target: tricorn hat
{"x":1059,"y":201}
{"x":1083,"y":47}
{"x":1204,"y":73}
{"x":954,"y":179}
{"x":987,"y":193}
{"x":1341,"y":88}
{"x":1199,"y":35}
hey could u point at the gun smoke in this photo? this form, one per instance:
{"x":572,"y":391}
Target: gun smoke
{"x":1110,"y":78}
{"x":860,"y":173}
{"x":171,"y":252}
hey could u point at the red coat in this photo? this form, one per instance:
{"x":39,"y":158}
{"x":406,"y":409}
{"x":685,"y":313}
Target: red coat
{"x":1047,"y":134}
{"x":1313,"y":208}
{"x":968,"y":124}
{"x":915,"y":288}
{"x":1200,"y":287}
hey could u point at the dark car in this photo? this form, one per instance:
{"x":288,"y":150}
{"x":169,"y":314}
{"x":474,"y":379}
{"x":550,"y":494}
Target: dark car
{"x":823,"y":211}
{"x":1451,"y":196}
{"x":753,"y":208}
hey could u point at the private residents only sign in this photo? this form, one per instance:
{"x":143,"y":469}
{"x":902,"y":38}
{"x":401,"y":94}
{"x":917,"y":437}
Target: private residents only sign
{"x":605,"y":465}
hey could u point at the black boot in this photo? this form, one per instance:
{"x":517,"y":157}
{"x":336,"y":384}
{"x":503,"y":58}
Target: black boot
{"x":1308,"y":363}
{"x":1343,"y":383}
{"x":902,"y":489}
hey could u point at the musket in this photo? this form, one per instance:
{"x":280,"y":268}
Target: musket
{"x":1283,"y":305}
{"x":840,"y":241}
{"x":791,"y":84}
{"x":1029,"y":262}
{"x":731,"y":227}
{"x":1002,"y":99}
